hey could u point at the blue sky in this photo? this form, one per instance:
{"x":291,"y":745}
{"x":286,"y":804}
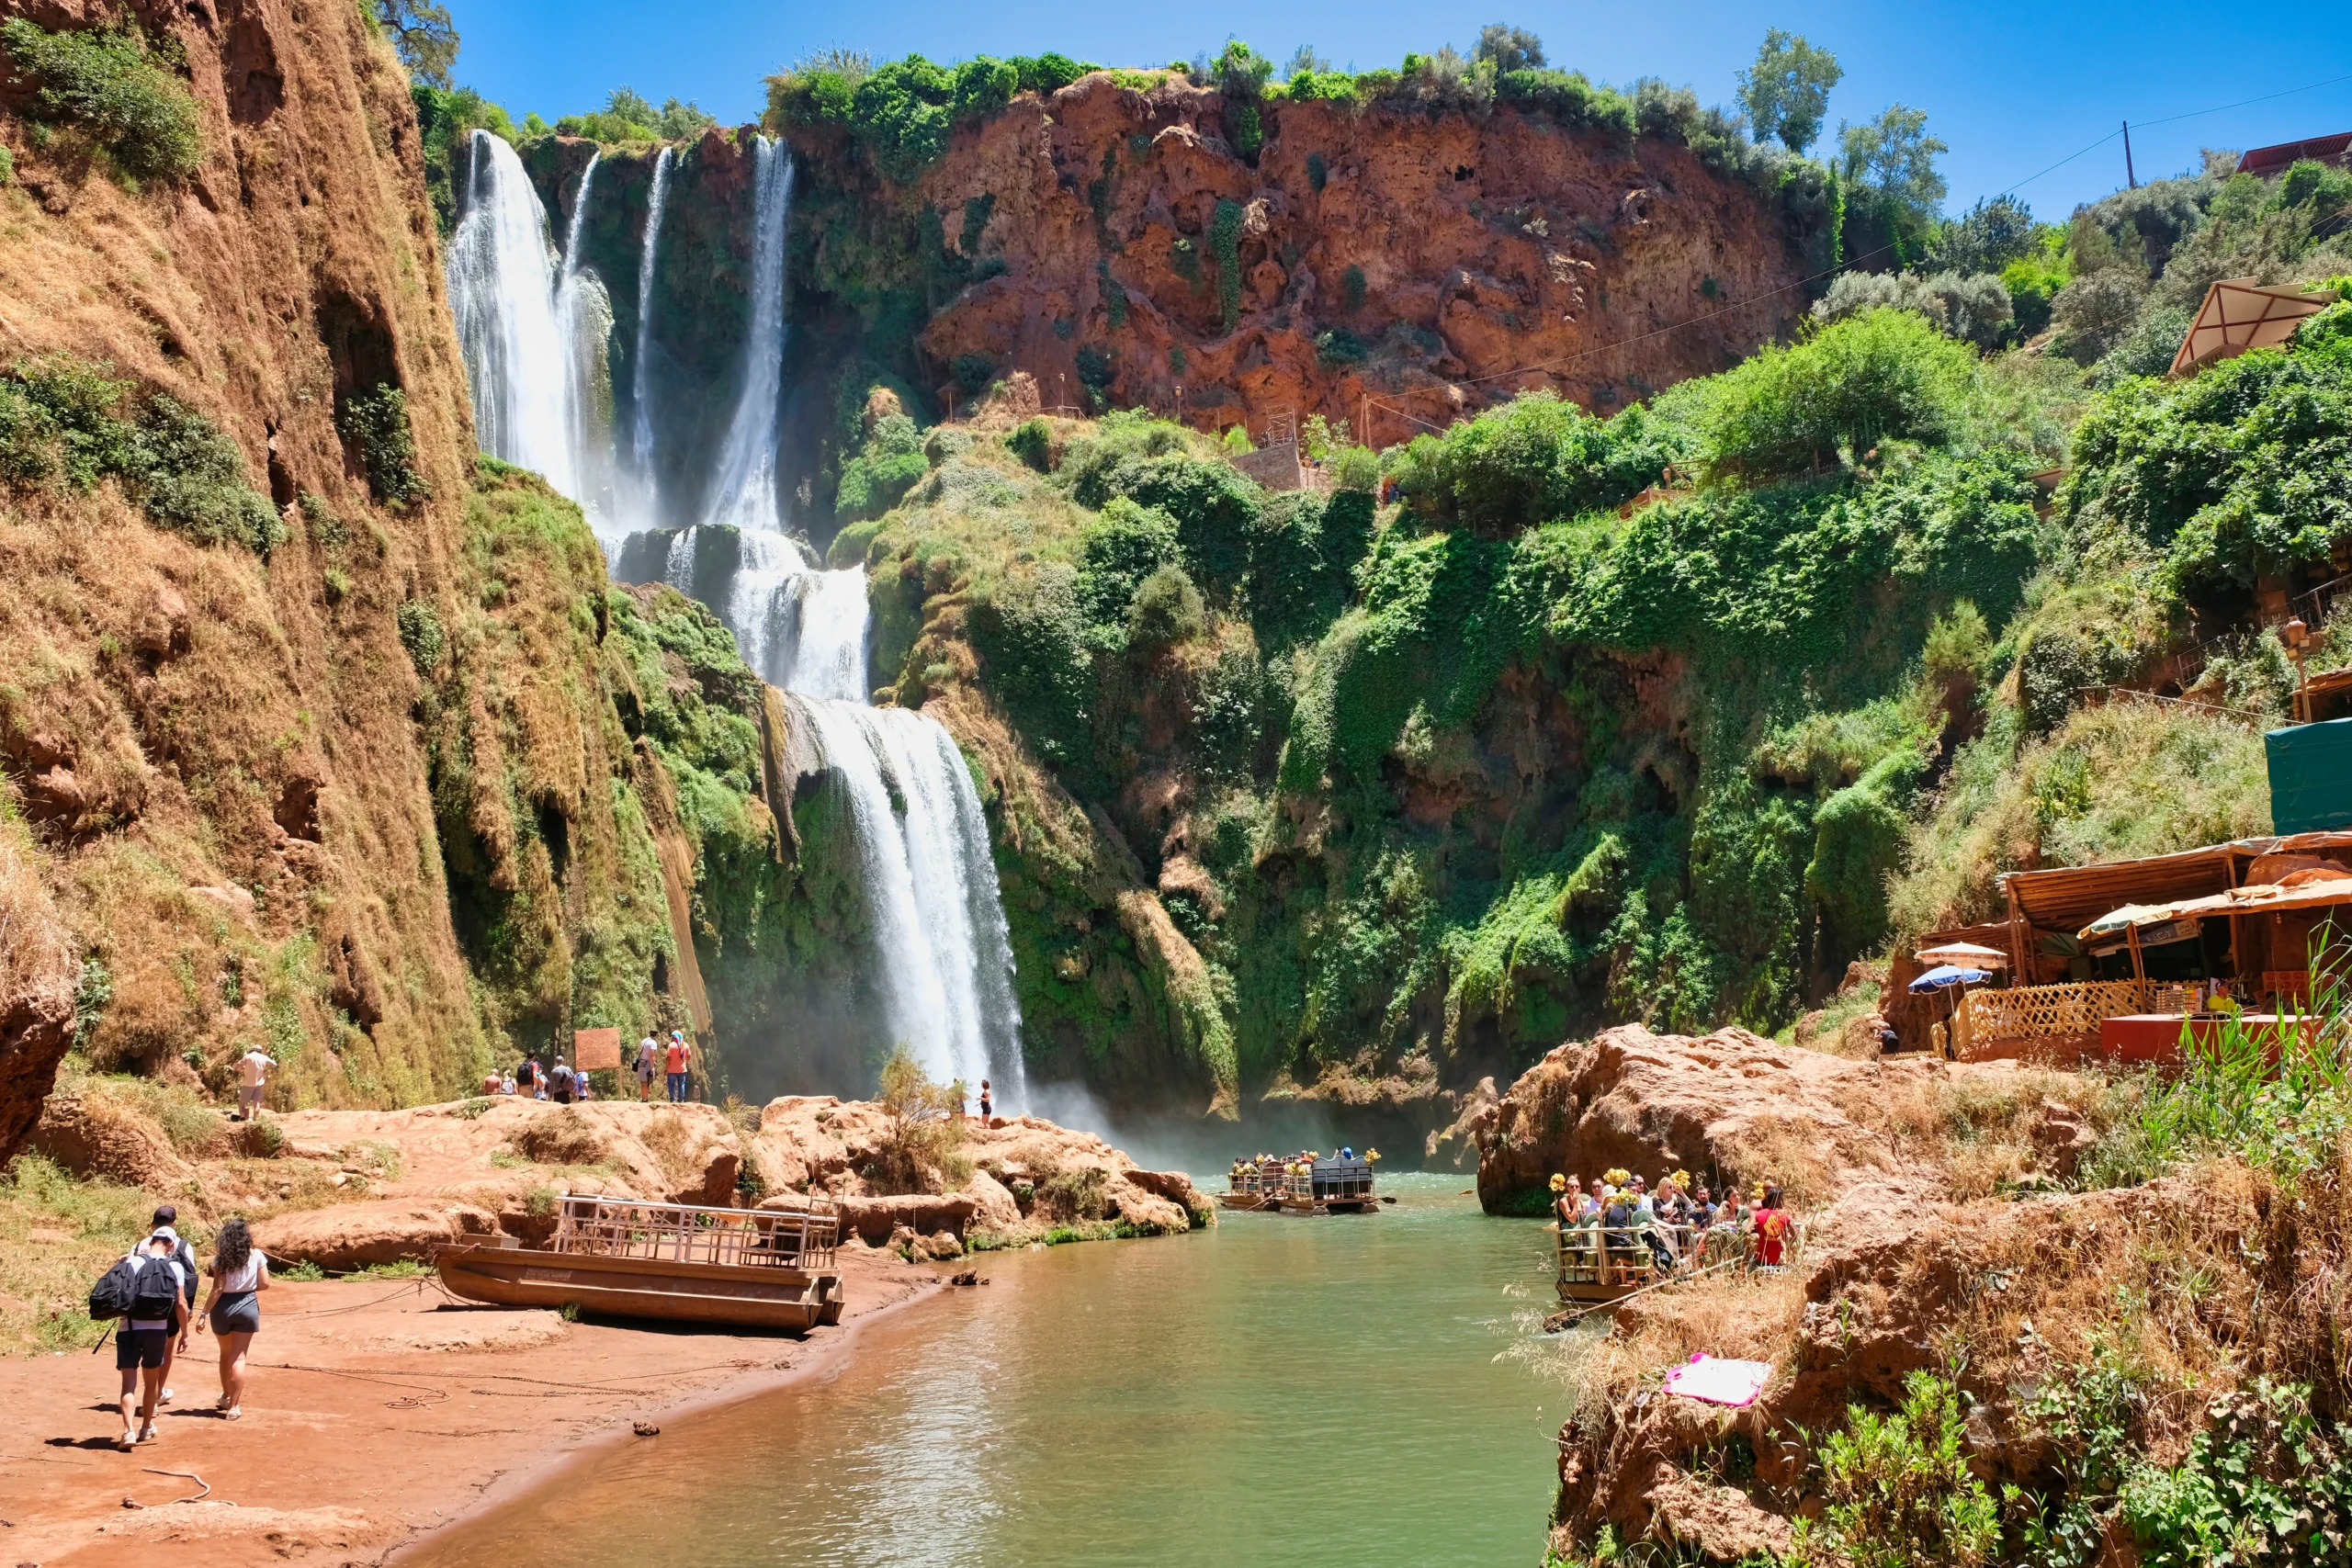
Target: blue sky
{"x":2012,"y":88}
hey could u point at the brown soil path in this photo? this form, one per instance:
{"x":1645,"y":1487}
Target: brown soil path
{"x":418,"y":1410}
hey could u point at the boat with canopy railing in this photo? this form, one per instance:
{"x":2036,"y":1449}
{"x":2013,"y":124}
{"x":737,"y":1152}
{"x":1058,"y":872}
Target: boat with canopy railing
{"x":767,"y":1268}
{"x":1303,"y":1183}
{"x":1600,"y":1266}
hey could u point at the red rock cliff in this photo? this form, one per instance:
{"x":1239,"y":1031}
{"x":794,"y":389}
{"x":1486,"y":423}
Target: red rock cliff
{"x":1445,"y":254}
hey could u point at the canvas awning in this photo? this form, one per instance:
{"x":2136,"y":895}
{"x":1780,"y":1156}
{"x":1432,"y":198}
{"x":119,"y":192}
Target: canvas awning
{"x":2303,"y":890}
{"x":2238,"y":314}
{"x":2069,"y":898}
{"x":1966,"y":954}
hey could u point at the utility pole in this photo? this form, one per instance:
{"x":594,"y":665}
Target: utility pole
{"x":2130,"y":178}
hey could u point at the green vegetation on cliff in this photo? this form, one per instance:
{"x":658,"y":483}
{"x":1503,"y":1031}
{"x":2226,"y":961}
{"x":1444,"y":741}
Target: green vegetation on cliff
{"x":1668,"y":715}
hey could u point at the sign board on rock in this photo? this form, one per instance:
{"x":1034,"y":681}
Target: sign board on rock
{"x":594,"y":1048}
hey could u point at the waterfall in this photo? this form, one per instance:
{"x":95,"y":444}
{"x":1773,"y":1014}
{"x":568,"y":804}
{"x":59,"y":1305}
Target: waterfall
{"x":641,"y":382}
{"x":744,"y":495}
{"x":535,"y":325}
{"x":502,"y":289}
{"x":940,"y":938}
{"x":584,"y":319}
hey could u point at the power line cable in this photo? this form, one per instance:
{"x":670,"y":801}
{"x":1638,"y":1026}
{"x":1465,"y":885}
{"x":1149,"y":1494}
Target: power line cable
{"x":2171,"y":118}
{"x":1845,"y":265}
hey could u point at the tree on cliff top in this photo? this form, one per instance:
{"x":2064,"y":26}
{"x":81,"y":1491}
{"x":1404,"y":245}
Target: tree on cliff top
{"x":1511,"y":49}
{"x":1890,"y":164}
{"x":1786,"y":92}
{"x":424,"y":37}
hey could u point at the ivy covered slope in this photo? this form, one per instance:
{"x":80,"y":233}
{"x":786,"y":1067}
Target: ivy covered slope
{"x":1424,"y":789}
{"x":314,"y":736}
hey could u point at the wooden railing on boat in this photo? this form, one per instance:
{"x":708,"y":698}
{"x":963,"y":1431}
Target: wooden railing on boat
{"x":802,"y":1235}
{"x":1597,"y":1262}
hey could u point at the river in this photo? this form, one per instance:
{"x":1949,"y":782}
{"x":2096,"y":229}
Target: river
{"x":1281,"y":1390}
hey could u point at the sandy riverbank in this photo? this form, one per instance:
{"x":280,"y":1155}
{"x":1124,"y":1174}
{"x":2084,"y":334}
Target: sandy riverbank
{"x":407,"y":1411}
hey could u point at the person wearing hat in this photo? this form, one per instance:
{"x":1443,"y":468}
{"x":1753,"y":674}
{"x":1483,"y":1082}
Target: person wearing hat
{"x":676,"y":1063}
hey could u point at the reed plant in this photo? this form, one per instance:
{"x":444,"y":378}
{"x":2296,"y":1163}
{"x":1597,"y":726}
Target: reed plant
{"x":2277,"y":1095}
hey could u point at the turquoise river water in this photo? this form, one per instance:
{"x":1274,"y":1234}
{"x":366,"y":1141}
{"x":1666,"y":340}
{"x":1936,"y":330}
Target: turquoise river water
{"x":1281,"y":1390}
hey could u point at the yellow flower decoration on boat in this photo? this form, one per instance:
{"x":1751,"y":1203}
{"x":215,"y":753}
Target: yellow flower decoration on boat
{"x":1559,"y":1183}
{"x":1617,"y":1176}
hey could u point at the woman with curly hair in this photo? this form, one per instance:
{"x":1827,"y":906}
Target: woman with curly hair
{"x":240,"y":1273}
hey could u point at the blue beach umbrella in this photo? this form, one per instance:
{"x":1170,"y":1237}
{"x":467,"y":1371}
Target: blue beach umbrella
{"x":1944,"y":974}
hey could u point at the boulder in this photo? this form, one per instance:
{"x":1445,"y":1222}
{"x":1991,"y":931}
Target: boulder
{"x":92,"y":1135}
{"x":353,"y":1236}
{"x":920,"y":1213}
{"x":1731,"y":1104}
{"x":994,"y":1208}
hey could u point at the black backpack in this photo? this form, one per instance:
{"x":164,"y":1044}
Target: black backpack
{"x":156,"y":1296}
{"x":111,"y":1297}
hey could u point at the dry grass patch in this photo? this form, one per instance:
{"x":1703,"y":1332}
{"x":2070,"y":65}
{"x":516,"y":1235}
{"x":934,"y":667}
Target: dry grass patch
{"x":57,"y":1236}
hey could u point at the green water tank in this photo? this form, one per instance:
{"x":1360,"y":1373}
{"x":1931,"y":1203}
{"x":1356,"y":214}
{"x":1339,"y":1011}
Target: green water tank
{"x":2311,"y":776}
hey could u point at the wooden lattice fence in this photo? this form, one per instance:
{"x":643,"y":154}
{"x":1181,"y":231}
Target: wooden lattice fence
{"x":2040,"y":1012}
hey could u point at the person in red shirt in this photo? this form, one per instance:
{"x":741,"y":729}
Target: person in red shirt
{"x":680,"y":1057}
{"x":1772,"y":1227}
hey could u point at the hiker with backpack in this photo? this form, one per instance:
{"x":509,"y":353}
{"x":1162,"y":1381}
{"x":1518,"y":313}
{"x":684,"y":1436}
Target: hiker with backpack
{"x":240,"y":1273}
{"x":166,"y":1221}
{"x":143,"y":1289}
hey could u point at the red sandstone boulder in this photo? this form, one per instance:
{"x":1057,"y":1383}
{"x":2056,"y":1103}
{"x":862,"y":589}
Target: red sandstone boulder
{"x":353,"y":1236}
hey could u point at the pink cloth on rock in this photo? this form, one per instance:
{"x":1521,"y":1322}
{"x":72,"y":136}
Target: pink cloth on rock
{"x":1719,"y":1381}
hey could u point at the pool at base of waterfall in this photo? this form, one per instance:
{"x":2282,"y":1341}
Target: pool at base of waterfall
{"x":1281,"y":1390}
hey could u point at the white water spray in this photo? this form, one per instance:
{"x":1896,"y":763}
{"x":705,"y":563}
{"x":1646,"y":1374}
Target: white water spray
{"x":744,"y":495}
{"x":641,"y":380}
{"x":583,"y":313}
{"x":503,"y":291}
{"x":939,"y":933}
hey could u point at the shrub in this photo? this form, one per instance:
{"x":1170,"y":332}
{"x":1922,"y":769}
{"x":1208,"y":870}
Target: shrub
{"x":1033,"y":443}
{"x":64,"y":418}
{"x":375,"y":422}
{"x":1975,"y":310}
{"x":421,"y":635}
{"x":104,"y":82}
{"x":1125,"y":545}
{"x":1225,"y":243}
{"x":888,"y":467}
{"x":1898,"y":1488}
{"x":1340,"y":346}
{"x":1167,"y":611}
{"x":920,"y":1125}
{"x":1879,"y":376}
{"x":1535,"y":458}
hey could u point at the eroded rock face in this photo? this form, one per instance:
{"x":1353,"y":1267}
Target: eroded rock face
{"x":357,"y":1236}
{"x":91,"y":1136}
{"x":1728,"y":1104}
{"x":1450,"y":248}
{"x":1027,"y":1171}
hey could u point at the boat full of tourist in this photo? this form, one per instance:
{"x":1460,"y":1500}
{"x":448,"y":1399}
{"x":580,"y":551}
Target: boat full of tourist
{"x":1307,"y":1183}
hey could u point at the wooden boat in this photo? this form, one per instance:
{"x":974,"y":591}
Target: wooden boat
{"x":1302,"y":1187}
{"x":753,"y":1268}
{"x":1599,"y":1268}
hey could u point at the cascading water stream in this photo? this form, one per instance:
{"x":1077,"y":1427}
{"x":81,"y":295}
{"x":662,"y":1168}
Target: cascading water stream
{"x":583,"y":313}
{"x":535,"y":325}
{"x":744,"y":495}
{"x":640,"y":376}
{"x":503,"y":291}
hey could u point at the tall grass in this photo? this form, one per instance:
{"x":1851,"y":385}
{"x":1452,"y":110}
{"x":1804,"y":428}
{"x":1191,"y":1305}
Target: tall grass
{"x":2277,"y":1095}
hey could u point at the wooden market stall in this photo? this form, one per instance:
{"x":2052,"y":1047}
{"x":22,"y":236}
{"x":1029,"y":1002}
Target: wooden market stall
{"x":2153,"y":939}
